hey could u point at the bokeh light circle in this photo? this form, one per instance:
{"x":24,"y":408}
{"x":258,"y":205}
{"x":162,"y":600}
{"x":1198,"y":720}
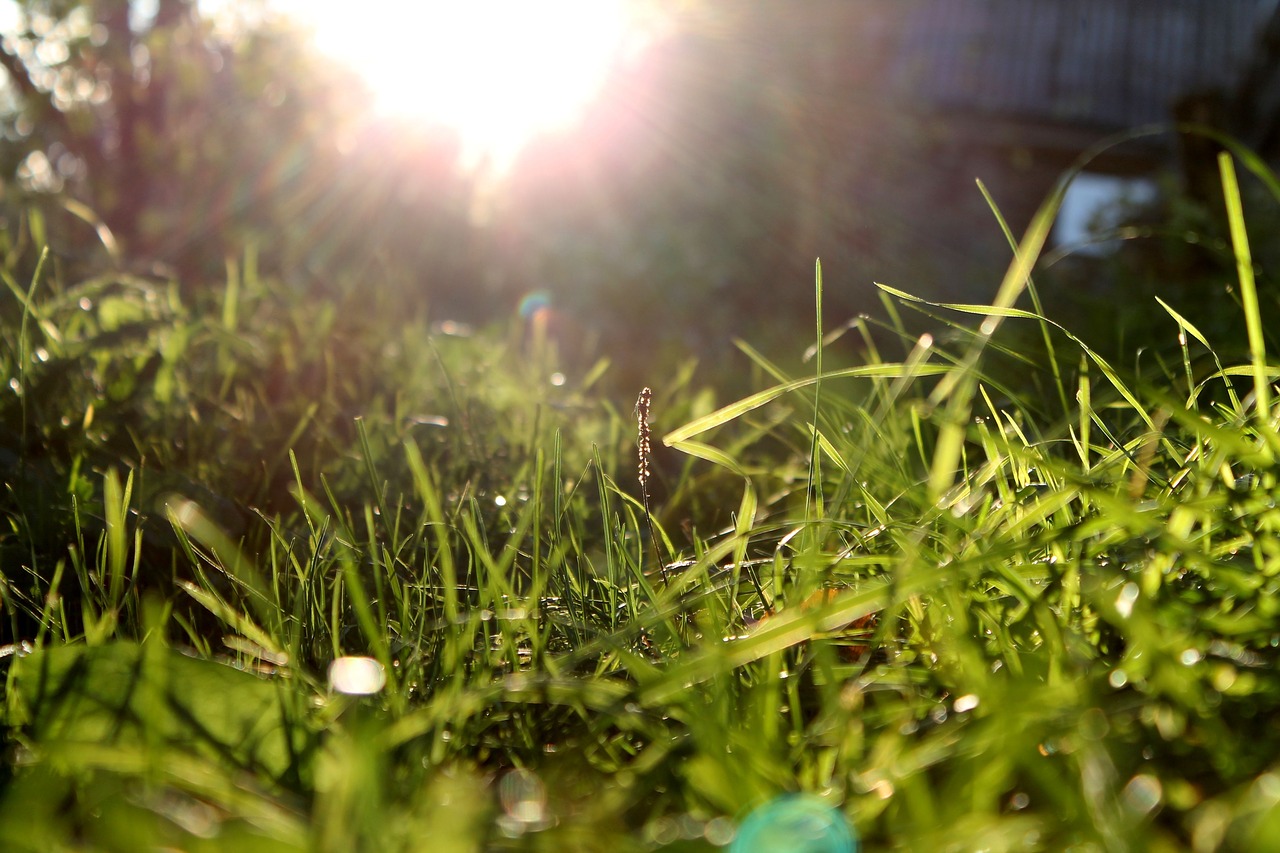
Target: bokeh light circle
{"x":796,"y":823}
{"x":357,"y":676}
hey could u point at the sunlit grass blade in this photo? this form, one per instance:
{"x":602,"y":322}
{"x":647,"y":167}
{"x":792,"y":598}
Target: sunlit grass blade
{"x":1034,"y":293}
{"x":733,"y":411}
{"x":813,"y":502}
{"x":1193,"y":390}
{"x":1105,"y":366}
{"x":784,"y":631}
{"x":189,"y":520}
{"x":1248,"y":297}
{"x":116,"y":501}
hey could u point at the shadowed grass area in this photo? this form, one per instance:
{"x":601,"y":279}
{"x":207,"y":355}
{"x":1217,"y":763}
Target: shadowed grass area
{"x":979,"y":596}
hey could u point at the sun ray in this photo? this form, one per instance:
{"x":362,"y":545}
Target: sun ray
{"x":497,"y":72}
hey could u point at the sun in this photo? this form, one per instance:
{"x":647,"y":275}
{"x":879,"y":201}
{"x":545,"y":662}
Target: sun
{"x":498,"y":72}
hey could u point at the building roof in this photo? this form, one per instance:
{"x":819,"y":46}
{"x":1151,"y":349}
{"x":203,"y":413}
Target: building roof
{"x":1106,"y":64}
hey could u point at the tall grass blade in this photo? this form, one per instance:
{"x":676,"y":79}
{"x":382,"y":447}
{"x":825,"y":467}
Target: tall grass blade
{"x":813,"y":502}
{"x":733,"y":411}
{"x":1034,"y":293}
{"x":1248,"y":293}
{"x":116,"y":509}
{"x":957,"y":387}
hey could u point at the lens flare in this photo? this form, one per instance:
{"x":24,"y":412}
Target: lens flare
{"x":495,"y":71}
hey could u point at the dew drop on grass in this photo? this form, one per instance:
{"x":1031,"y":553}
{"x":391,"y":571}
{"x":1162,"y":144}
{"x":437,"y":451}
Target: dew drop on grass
{"x":798,"y":823}
{"x":20,"y":649}
{"x":356,"y":676}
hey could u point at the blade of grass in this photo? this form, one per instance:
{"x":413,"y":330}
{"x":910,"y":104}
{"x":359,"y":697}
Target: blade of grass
{"x":1110,"y":372}
{"x":115,"y":500}
{"x":813,"y":503}
{"x":1248,"y":297}
{"x":733,"y":411}
{"x":1189,"y":328}
{"x":1034,"y":293}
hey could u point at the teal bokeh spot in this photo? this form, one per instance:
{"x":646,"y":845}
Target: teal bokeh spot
{"x":796,"y":823}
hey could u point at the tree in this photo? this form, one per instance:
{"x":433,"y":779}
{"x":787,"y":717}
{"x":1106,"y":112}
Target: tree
{"x":191,"y":138}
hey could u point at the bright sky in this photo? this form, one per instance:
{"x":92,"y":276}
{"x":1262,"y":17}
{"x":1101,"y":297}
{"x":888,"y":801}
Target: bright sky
{"x":498,"y":71}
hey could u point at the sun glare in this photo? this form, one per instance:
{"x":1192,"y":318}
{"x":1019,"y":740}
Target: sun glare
{"x":496,"y":71}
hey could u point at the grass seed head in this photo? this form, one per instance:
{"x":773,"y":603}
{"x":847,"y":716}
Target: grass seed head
{"x":643,"y":437}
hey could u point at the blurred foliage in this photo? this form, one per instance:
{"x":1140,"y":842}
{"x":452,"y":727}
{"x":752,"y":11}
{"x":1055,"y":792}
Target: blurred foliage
{"x":989,"y":595}
{"x":684,"y":210}
{"x":998,"y":594}
{"x":190,"y":141}
{"x":689,"y":207}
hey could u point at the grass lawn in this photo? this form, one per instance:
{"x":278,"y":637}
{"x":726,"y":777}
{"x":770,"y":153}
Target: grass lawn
{"x":281,"y":574}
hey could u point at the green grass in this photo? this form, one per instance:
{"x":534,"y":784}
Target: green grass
{"x":983,"y":595}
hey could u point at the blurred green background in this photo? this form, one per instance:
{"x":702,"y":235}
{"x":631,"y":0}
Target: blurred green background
{"x":721,"y":148}
{"x":333,"y":352}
